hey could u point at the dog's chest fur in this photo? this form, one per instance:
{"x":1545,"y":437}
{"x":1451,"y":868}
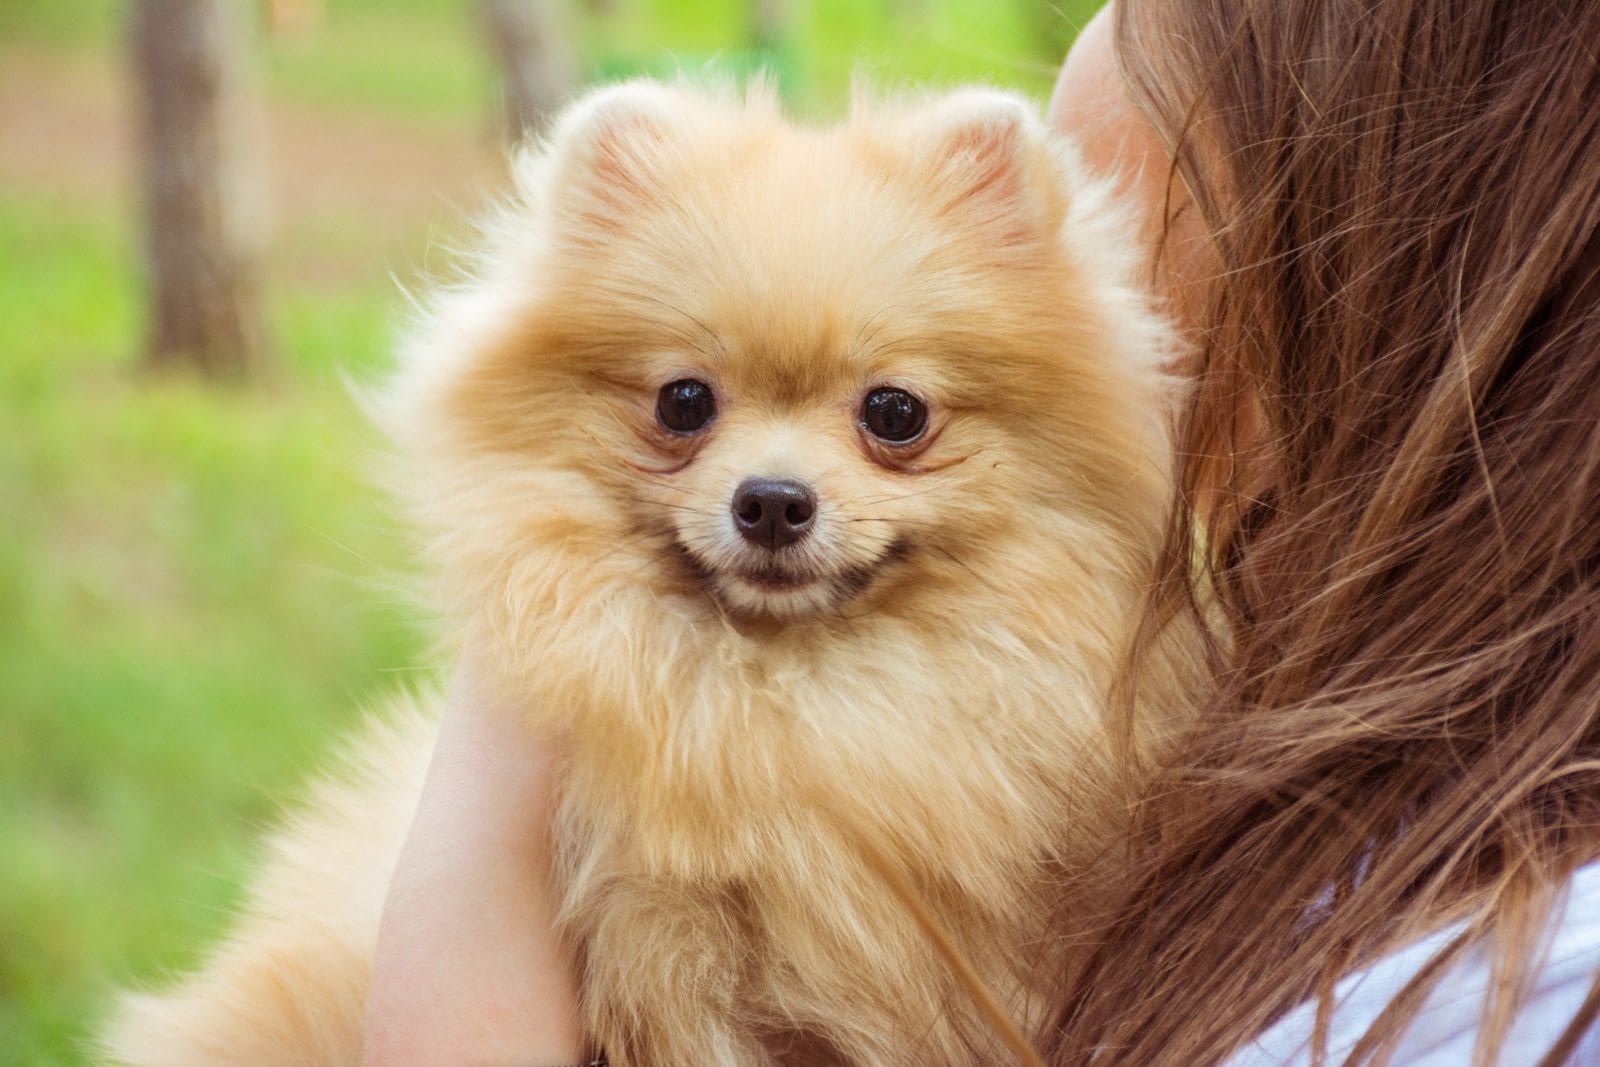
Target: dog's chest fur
{"x":721,"y":839}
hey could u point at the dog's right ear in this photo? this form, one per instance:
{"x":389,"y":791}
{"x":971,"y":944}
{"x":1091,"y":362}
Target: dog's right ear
{"x":609,"y":152}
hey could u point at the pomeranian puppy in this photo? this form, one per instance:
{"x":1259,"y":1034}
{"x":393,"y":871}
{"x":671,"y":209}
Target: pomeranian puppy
{"x":808,"y":482}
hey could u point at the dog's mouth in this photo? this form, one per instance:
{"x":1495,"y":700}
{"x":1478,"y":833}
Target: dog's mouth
{"x":781,"y":587}
{"x":775,"y":578}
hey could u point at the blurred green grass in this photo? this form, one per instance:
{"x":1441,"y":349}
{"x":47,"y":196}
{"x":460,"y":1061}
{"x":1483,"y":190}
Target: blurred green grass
{"x":424,"y":57}
{"x":196,"y":590}
{"x":198,"y":587}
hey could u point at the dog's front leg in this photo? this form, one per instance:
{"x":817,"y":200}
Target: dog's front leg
{"x":664,"y":975}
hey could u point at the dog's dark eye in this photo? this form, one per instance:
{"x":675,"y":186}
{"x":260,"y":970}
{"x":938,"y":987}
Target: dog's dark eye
{"x":894,"y":415}
{"x":685,"y":405}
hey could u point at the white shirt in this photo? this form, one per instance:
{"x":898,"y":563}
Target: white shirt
{"x":1442,"y":1034}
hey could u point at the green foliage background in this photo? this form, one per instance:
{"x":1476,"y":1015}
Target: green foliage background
{"x":198,"y":587}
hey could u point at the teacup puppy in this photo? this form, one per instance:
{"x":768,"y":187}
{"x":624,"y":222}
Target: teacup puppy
{"x":807,"y":482}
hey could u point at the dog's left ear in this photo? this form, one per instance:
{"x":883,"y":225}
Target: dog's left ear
{"x":990,"y":153}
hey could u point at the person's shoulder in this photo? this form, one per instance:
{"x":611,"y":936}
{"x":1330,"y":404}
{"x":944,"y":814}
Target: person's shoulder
{"x":1444,"y":1032}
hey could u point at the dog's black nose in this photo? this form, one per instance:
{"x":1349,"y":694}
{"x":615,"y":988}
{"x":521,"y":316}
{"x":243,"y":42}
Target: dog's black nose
{"x":773,"y":512}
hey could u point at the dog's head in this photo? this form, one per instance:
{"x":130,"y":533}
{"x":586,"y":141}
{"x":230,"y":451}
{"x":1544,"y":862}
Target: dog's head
{"x":783,"y":373}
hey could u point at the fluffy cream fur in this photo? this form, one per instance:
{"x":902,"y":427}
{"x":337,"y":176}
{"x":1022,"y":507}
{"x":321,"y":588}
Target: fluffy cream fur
{"x":927,"y":675}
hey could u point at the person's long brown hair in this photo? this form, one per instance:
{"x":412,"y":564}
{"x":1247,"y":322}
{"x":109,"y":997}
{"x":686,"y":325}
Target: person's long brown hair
{"x":1403,"y":564}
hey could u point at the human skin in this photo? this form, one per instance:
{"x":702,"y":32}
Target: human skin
{"x":469,"y":969}
{"x":1091,"y":104}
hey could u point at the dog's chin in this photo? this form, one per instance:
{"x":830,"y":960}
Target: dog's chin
{"x":776,"y":594}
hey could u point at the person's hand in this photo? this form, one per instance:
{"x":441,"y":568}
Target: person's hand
{"x":469,"y":970}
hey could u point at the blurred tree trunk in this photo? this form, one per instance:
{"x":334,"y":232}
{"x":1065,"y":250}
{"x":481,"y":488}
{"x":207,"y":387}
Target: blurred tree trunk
{"x":769,"y":24}
{"x":202,"y":199}
{"x":538,"y":66}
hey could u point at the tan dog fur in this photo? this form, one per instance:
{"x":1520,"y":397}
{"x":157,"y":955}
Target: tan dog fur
{"x":936,"y":686}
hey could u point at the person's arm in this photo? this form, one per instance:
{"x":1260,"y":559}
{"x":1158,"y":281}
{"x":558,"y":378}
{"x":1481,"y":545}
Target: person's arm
{"x":469,"y":971}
